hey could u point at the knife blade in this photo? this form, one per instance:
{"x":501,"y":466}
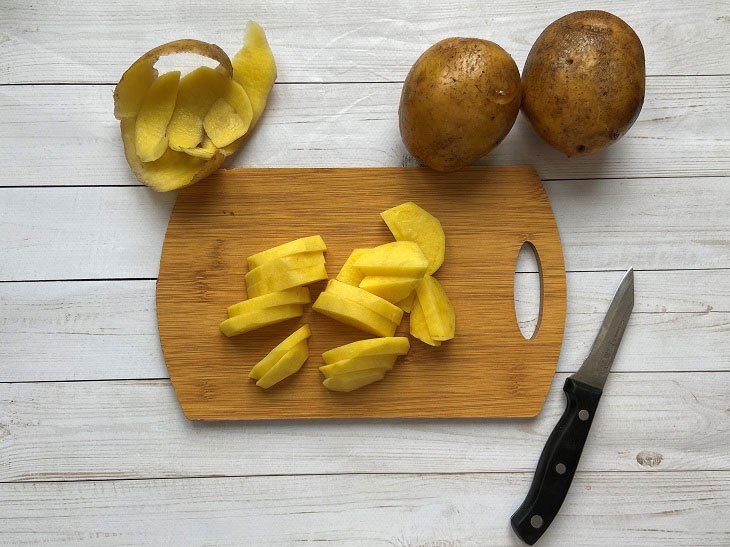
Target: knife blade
{"x":559,"y":459}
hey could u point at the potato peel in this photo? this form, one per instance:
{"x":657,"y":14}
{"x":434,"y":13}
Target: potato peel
{"x":196,"y":156}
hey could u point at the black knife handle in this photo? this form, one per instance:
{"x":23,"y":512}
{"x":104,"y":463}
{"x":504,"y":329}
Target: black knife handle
{"x":558,"y":462}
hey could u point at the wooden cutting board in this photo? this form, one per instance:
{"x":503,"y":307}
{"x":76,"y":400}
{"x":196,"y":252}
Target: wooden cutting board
{"x":488,"y":370}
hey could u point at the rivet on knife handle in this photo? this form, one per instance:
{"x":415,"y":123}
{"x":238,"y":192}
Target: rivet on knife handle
{"x":558,"y":462}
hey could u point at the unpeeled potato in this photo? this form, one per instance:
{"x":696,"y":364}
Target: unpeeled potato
{"x":583,"y":82}
{"x":459,"y":101}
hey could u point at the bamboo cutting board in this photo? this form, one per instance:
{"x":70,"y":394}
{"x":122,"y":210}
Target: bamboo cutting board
{"x":487,"y":213}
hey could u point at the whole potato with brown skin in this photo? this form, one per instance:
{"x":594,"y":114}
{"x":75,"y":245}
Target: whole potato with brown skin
{"x":459,"y":101}
{"x":583,"y":81}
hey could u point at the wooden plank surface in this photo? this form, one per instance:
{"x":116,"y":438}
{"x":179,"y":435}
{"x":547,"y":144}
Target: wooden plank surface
{"x":488,"y":213}
{"x":65,"y":431}
{"x":367,"y":510}
{"x":91,"y":41}
{"x":353,"y":125}
{"x":78,"y":233}
{"x":64,"y":330}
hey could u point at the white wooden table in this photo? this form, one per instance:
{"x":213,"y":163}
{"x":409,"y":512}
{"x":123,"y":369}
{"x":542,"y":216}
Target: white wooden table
{"x":93,"y":447}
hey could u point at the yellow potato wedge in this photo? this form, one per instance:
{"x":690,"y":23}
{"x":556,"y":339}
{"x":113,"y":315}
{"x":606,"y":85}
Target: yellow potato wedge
{"x":349,"y":273}
{"x":289,"y":364}
{"x":354,"y":380}
{"x":437,"y":309}
{"x":385,"y":362}
{"x":172,"y":171}
{"x":131,"y":89}
{"x":279,"y":267}
{"x":198,"y":91}
{"x":246,"y":322}
{"x":400,"y":258}
{"x":409,"y":222}
{"x":353,"y":314}
{"x":407,"y":303}
{"x":372,"y":302}
{"x":391,"y":288}
{"x":292,"y":278}
{"x":154,"y":115}
{"x":263,"y":366}
{"x":302,"y":245}
{"x":392,"y":345}
{"x":418,"y":327}
{"x":296,"y":295}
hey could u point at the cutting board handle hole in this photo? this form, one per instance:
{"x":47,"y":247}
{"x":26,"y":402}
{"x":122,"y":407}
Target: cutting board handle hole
{"x":528,"y":291}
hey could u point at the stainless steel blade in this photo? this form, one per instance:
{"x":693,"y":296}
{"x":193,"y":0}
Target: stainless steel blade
{"x":594,"y":369}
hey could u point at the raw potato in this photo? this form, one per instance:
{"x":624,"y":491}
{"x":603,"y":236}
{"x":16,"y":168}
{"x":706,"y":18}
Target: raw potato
{"x":459,"y":100}
{"x":400,"y":258}
{"x":296,"y":295}
{"x":349,"y":273}
{"x":281,"y":266}
{"x":438,"y":311}
{"x":353,"y":314}
{"x":255,"y":72}
{"x":246,"y":322}
{"x":583,"y":82}
{"x":154,"y":116}
{"x":395,"y":345}
{"x":407,"y":303}
{"x":418,"y":326}
{"x":198,"y":91}
{"x":385,"y":362}
{"x":302,"y":245}
{"x":292,"y":278}
{"x":373,"y":302}
{"x":263,"y":366}
{"x":390,"y":288}
{"x":354,"y":380}
{"x":409,"y":222}
{"x":289,"y":364}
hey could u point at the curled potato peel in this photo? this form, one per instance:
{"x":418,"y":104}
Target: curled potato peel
{"x":213,"y":111}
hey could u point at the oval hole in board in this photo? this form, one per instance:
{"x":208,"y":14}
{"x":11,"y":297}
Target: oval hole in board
{"x":528,"y":291}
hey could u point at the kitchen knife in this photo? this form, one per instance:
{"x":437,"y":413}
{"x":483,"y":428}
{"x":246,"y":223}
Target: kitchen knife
{"x":559,"y":458}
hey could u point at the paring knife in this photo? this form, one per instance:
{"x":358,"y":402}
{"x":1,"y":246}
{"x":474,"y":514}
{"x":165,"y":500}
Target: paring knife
{"x":559,"y":458}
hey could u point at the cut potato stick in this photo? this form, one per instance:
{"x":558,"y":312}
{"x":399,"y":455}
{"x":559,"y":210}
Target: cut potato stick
{"x":257,"y":319}
{"x":263,"y":366}
{"x":391,"y":345}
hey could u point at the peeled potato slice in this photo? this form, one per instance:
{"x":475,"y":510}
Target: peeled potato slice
{"x":391,"y":288}
{"x":301,"y":245}
{"x":354,"y":380}
{"x":257,"y":319}
{"x":289,"y":364}
{"x":154,"y":116}
{"x":281,"y":266}
{"x":349,"y":273}
{"x":263,"y":366}
{"x":297,"y":295}
{"x":407,"y":303}
{"x":418,"y":326}
{"x":291,"y":278}
{"x":384,"y":362}
{"x":199,"y":90}
{"x":437,"y":309}
{"x":353,"y":314}
{"x":396,"y":345}
{"x":409,"y":222}
{"x":400,"y":258}
{"x":373,"y":302}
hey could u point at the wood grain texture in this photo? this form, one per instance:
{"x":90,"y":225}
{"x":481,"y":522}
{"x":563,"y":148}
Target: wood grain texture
{"x":679,"y":133}
{"x":66,"y":431}
{"x":489,"y":369}
{"x":326,"y":41}
{"x":470,"y":510}
{"x":64,"y":331}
